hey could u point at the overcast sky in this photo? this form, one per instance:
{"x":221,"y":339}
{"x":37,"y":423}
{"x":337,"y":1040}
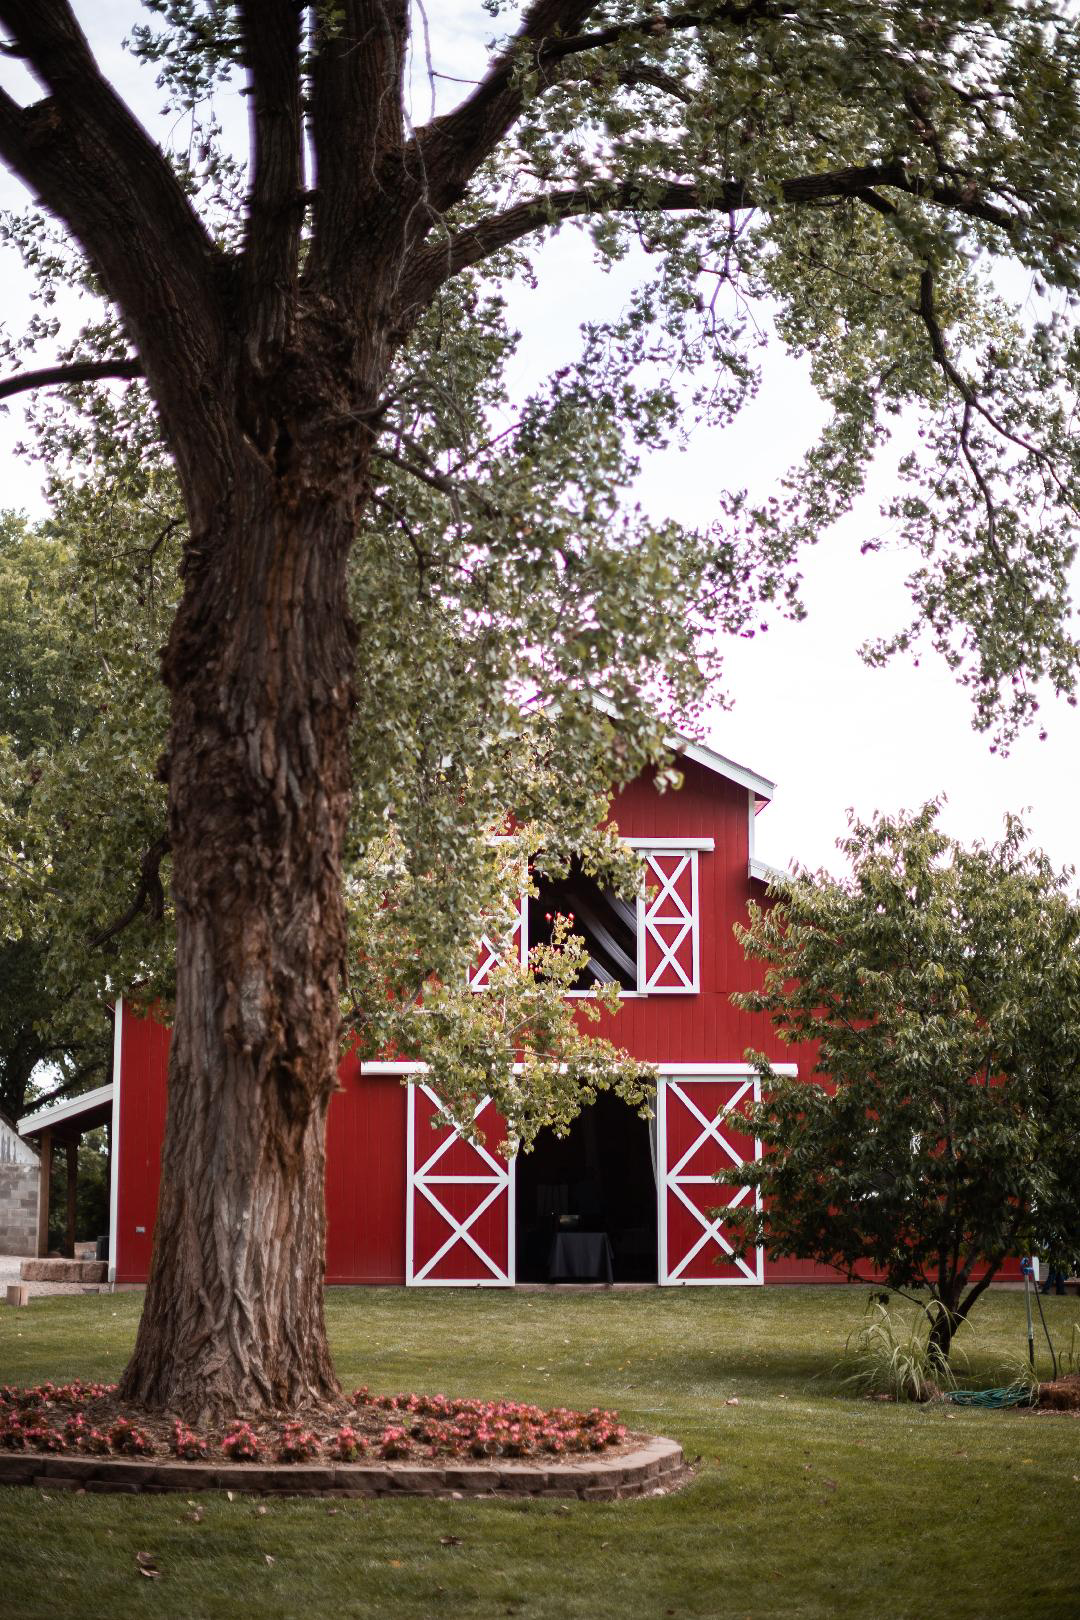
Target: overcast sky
{"x":807,"y":713}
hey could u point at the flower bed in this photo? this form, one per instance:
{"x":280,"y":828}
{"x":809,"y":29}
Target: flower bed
{"x":86,"y":1419}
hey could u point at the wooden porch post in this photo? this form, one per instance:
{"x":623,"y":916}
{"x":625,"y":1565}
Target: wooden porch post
{"x":44,"y":1181}
{"x":72,"y":1152}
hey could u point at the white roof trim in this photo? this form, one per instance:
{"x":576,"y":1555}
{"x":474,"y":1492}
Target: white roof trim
{"x":71,"y":1108}
{"x":702,"y":754}
{"x":766,"y":873}
{"x":722,"y":766}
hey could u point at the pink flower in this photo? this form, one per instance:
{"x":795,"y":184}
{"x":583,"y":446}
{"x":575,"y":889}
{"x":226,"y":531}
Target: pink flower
{"x":129,"y":1441}
{"x":241,"y":1444}
{"x":346,"y":1445}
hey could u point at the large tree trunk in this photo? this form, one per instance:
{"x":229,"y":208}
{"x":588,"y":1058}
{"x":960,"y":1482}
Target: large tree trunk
{"x":260,"y":669}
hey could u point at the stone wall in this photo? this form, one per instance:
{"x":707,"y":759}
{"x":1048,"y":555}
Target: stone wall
{"x":18,"y":1208}
{"x":18,"y":1194}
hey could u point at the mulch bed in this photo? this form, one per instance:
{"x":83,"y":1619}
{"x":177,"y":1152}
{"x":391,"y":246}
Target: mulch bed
{"x":1062,"y":1395}
{"x":88,"y":1420}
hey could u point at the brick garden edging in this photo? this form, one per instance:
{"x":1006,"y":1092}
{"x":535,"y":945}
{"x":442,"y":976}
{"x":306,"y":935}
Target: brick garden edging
{"x":657,"y":1465}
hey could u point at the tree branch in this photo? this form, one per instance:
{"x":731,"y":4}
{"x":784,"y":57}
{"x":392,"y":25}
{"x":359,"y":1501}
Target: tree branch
{"x":271,"y":34}
{"x":972,"y":403}
{"x":85,"y":154}
{"x":456,"y":144}
{"x":437,"y":480}
{"x":477,"y":242}
{"x":74,"y":371}
{"x":357,"y":108}
{"x":150,"y":895}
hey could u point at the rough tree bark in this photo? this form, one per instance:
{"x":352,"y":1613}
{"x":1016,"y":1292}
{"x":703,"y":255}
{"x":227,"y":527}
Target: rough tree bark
{"x":258,"y":799}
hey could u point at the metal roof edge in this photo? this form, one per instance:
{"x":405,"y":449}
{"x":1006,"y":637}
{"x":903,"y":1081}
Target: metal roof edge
{"x":69,"y":1108}
{"x":765,"y":873}
{"x":702,"y":754}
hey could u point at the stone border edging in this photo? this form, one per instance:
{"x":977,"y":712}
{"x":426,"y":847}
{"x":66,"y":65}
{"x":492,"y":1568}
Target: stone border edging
{"x":658,"y":1463}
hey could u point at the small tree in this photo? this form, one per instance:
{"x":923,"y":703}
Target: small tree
{"x":942,"y":987}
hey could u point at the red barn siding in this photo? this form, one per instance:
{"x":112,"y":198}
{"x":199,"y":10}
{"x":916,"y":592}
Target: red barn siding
{"x":365,"y":1170}
{"x":144,"y":1058}
{"x":365,"y":1179}
{"x":366,"y":1131}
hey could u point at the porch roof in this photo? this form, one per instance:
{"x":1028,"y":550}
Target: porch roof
{"x":71,"y":1115}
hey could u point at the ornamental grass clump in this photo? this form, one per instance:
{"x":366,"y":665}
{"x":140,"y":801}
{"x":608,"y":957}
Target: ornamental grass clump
{"x":896,"y":1360}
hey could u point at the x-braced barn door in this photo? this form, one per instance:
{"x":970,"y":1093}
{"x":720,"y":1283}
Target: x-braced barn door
{"x":459,"y":1214}
{"x":700,"y":1129}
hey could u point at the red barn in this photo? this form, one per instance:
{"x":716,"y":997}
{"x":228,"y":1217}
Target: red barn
{"x":619,"y":1198}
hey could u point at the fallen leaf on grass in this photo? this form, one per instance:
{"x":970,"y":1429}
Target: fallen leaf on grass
{"x":261,"y":1509}
{"x":395,"y":1563}
{"x":231,"y":1496}
{"x":147,"y":1565}
{"x":732,"y":1400}
{"x":270,"y":1559}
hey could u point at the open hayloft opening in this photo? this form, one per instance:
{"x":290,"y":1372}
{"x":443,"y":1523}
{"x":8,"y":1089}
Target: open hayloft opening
{"x":606,"y":922}
{"x":586,"y":1202}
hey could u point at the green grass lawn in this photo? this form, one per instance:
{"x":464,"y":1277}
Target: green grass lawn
{"x":808,"y":1502}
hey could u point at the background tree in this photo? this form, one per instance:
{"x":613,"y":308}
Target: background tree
{"x":317,"y":322}
{"x":68,"y":644}
{"x":942,"y":987}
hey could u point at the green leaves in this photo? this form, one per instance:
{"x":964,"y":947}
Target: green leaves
{"x":940,"y":987}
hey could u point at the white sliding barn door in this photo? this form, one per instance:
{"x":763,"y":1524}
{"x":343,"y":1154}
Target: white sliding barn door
{"x":700,"y":1129}
{"x":459,"y":1212}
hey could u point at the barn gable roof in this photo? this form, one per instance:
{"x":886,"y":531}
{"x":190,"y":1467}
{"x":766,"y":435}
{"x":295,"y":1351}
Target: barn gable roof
{"x":720,"y":765}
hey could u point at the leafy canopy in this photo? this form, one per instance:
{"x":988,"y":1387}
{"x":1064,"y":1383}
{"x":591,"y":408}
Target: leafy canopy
{"x":940,"y":987}
{"x":865,"y":182}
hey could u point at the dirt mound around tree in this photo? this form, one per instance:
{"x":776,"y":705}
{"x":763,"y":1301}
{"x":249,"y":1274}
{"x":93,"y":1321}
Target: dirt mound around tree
{"x":1062,"y":1395}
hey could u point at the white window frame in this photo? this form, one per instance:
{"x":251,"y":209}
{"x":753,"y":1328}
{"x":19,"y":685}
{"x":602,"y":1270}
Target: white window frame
{"x":692,"y":848}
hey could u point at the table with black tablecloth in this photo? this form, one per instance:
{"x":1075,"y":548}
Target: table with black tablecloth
{"x":580,"y":1257}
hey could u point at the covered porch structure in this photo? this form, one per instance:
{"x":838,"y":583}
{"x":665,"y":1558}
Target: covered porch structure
{"x":63,"y":1124}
